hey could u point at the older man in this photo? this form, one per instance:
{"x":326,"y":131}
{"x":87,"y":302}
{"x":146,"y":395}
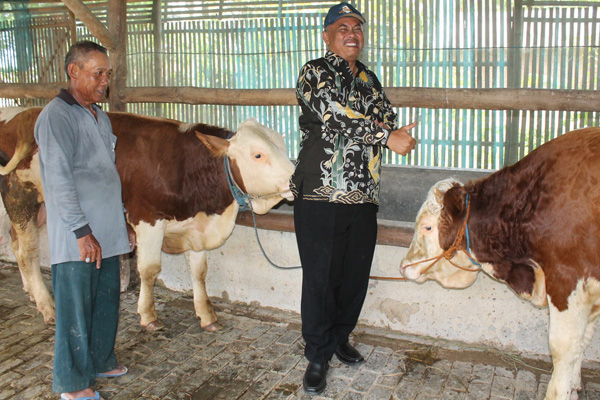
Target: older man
{"x":345,"y":122}
{"x":86,"y":224}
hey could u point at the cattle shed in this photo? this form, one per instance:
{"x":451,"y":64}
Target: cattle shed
{"x":487,"y":81}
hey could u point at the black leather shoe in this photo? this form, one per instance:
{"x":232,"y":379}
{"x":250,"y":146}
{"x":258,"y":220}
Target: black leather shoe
{"x":347,"y":354}
{"x":315,"y":378}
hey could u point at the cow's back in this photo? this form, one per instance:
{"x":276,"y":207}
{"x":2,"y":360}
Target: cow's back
{"x":16,"y":127}
{"x":546,"y":208}
{"x":167,"y":173}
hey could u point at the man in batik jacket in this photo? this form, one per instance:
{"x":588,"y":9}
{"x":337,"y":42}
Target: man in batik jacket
{"x":346,"y":120}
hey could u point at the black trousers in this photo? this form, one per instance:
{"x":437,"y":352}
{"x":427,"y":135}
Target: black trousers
{"x":336,"y":243}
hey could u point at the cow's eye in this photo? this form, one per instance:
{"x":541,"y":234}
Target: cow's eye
{"x":427,"y":228}
{"x":257,"y":156}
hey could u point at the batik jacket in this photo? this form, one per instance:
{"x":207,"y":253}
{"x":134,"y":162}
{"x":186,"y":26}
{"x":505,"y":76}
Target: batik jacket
{"x":341,"y":144}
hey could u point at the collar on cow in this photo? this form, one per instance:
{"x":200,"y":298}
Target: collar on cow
{"x":245,"y":202}
{"x":243,"y":199}
{"x":468,"y":252}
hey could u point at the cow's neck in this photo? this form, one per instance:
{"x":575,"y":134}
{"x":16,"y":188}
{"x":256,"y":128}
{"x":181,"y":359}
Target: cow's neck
{"x":237,"y":175}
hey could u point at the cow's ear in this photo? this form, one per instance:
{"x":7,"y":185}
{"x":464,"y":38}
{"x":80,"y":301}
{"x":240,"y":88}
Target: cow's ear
{"x":439,"y":195}
{"x":454,"y":201}
{"x":216,"y":145}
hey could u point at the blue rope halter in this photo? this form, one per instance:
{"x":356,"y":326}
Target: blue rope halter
{"x":245,"y":202}
{"x":467,"y":234}
{"x":243,"y":199}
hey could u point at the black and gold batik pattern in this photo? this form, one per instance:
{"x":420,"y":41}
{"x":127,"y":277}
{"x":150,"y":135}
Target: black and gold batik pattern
{"x":341,"y":143}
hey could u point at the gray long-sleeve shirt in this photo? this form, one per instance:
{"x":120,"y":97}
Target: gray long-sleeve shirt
{"x":82,"y":188}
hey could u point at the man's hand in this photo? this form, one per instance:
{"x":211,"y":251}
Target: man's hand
{"x":132,"y":237}
{"x":90,"y":250}
{"x":400,"y":141}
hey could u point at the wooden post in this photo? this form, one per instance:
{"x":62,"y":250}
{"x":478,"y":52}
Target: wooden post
{"x":72,"y":28}
{"x":158,"y":64}
{"x":91,"y":22}
{"x":117,"y":26}
{"x":511,"y":147}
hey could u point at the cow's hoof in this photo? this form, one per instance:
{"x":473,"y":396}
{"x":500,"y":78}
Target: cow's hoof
{"x":154,"y":326}
{"x":214,"y":327}
{"x":49,"y":316}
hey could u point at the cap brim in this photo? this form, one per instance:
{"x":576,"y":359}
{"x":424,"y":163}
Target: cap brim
{"x":354,"y":15}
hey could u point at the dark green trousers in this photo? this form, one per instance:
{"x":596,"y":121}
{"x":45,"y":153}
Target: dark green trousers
{"x":87,"y":316}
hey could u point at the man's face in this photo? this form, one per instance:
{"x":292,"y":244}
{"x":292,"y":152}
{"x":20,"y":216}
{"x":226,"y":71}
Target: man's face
{"x":90,"y":82}
{"x":345,"y":38}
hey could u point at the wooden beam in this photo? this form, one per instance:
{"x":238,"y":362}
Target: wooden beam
{"x":496,"y":99}
{"x":196,"y":95}
{"x":60,"y":1}
{"x":388,"y":234}
{"x":92,"y":23}
{"x":30,"y":90}
{"x":478,"y":99}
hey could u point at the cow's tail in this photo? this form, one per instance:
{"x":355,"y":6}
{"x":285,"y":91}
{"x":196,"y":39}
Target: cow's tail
{"x":21,"y":152}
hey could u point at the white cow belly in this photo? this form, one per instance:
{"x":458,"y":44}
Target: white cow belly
{"x":202,"y":232}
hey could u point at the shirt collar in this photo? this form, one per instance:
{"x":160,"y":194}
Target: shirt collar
{"x":339,"y":61}
{"x":68,"y":98}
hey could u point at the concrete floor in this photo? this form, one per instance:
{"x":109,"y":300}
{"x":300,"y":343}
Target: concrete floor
{"x":258,"y":355}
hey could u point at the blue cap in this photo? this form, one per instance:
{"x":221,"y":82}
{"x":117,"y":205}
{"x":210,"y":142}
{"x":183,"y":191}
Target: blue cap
{"x":342,"y":10}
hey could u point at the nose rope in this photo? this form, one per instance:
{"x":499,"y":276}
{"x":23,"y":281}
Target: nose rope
{"x":448,"y":254}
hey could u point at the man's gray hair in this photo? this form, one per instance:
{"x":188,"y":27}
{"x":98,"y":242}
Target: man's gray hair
{"x":80,"y":52}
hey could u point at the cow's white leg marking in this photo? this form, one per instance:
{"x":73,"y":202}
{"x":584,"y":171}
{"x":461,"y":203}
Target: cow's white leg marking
{"x":590,"y":328}
{"x":569,"y":334}
{"x":25,"y":247}
{"x":202,"y":304}
{"x":576,"y":378}
{"x":149,"y":239}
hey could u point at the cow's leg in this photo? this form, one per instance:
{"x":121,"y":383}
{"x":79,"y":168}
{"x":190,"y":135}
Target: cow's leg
{"x":567,"y":332}
{"x":202,"y":304}
{"x":25,"y":247}
{"x":149,"y":239}
{"x":576,"y":384}
{"x":27,"y":213}
{"x":576,"y":378}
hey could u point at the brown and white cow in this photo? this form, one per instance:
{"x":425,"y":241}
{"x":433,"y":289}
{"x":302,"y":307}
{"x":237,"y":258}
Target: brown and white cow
{"x":534,"y":225}
{"x":174,"y":189}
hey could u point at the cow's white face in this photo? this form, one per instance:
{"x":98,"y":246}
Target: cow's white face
{"x":426,"y":245}
{"x":261,"y":156}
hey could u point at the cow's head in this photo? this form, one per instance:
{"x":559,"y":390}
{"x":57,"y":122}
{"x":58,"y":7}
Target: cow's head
{"x":435,"y":229}
{"x":261,"y":156}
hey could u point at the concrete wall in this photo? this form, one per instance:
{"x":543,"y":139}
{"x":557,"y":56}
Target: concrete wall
{"x":486,"y":314}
